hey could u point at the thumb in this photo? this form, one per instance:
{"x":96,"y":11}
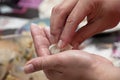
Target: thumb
{"x":40,"y":63}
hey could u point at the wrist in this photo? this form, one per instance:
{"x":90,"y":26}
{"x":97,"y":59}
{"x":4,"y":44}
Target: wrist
{"x":110,"y":73}
{"x":116,"y":74}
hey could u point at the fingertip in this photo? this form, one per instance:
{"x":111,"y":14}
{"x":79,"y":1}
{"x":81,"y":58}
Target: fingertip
{"x":35,"y":29}
{"x":33,"y":25}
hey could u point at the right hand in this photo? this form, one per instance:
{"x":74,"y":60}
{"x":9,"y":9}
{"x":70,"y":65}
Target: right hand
{"x":65,"y":18}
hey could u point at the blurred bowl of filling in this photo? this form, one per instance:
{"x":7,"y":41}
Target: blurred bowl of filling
{"x":8,"y":52}
{"x":15,"y":51}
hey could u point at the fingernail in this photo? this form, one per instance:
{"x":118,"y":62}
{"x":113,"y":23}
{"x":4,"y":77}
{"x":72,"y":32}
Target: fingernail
{"x":29,"y":68}
{"x":61,"y":44}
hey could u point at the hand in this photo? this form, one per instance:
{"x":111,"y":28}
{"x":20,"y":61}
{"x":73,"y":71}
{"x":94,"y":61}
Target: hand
{"x":41,"y":39}
{"x":68,"y":65}
{"x":101,"y":15}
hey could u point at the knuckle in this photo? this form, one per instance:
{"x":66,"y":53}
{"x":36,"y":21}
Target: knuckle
{"x":39,"y":64}
{"x":54,"y":33}
{"x":70,"y":20}
{"x":43,"y":63}
{"x":59,"y":10}
{"x":36,"y":65}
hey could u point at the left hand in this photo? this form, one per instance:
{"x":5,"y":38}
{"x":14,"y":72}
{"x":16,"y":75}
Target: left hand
{"x":68,"y":65}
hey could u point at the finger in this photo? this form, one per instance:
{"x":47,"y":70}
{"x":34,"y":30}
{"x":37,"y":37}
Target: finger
{"x":40,"y":40}
{"x":88,"y":31}
{"x":48,"y":35}
{"x":59,"y":16}
{"x":80,"y":11}
{"x":42,"y":63}
{"x":59,"y":62}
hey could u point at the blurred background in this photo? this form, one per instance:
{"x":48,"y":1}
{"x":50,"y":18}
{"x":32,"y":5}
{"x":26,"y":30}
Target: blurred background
{"x":16,"y":45}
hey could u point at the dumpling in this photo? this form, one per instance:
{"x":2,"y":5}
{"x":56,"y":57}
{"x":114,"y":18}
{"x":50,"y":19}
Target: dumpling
{"x":54,"y":48}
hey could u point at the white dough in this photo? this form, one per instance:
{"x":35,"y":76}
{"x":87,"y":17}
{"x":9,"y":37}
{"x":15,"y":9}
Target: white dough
{"x":54,"y":49}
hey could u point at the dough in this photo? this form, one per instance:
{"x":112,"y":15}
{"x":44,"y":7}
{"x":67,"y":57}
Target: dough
{"x":54,"y":49}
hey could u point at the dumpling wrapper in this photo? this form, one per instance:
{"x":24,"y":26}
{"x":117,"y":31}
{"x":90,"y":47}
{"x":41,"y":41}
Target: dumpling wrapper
{"x":54,"y":49}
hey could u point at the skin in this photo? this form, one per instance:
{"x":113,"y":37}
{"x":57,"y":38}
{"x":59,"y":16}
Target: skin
{"x":68,"y":65}
{"x":65,"y":18}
